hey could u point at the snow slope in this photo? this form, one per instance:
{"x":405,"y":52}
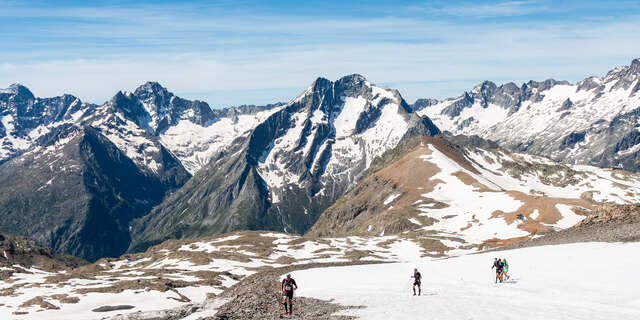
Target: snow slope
{"x":575,"y":281}
{"x":483,"y":210}
{"x":194,"y":144}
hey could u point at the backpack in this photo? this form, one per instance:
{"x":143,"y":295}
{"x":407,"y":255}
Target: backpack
{"x":288,"y":285}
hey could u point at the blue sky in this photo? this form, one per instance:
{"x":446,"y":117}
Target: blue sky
{"x":255,"y":52}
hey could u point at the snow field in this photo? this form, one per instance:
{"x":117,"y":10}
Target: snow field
{"x":573,"y":281}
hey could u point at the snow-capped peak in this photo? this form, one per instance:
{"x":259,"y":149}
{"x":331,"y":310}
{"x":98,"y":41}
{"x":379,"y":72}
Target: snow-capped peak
{"x":335,"y":128}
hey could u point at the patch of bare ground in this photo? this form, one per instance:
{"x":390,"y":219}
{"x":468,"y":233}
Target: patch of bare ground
{"x":468,"y":179}
{"x":606,"y":223}
{"x":39,"y":301}
{"x":180,"y":298}
{"x":258,"y":297}
{"x":548,"y":213}
{"x":495,"y":242}
{"x":65,"y":298}
{"x":351,"y":214}
{"x":251,"y":241}
{"x":363,"y":211}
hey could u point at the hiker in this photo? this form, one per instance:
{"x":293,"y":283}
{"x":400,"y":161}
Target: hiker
{"x":417,"y":280}
{"x":497,"y":263}
{"x":288,"y":286}
{"x":505,"y":272}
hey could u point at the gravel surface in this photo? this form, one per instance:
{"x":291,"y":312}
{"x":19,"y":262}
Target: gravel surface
{"x":259,"y":297}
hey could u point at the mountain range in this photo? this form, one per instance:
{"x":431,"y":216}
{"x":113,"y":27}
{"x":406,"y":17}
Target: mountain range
{"x":291,"y":167}
{"x":595,"y":121}
{"x":74,"y":175}
{"x":146,"y":166}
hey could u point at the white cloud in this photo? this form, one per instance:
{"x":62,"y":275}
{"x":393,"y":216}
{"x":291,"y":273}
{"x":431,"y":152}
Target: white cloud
{"x":261,"y":59}
{"x":500,"y":9}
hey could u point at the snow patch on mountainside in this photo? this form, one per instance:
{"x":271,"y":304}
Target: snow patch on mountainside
{"x":135,"y":143}
{"x":386,"y":134}
{"x":194,"y":145}
{"x":569,"y":217}
{"x":345,"y":122}
{"x":391,"y":198}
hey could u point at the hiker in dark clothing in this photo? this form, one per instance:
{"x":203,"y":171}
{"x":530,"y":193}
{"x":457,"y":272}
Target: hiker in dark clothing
{"x":499,"y":266}
{"x":288,"y":286}
{"x":417,"y":281}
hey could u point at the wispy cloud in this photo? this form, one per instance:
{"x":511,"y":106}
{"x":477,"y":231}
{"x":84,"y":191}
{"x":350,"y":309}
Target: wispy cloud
{"x":484,"y":10}
{"x":235,"y":55}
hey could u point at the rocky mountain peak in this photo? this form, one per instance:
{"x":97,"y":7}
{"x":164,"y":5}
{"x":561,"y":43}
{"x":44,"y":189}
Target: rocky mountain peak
{"x":24,"y":112}
{"x":20,"y":91}
{"x":320,"y":83}
{"x":352,"y":78}
{"x":625,"y":76}
{"x":589,"y":83}
{"x":423,"y":103}
{"x":546,"y":84}
{"x":294,"y":163}
{"x":485,"y":91}
{"x":152,"y":86}
{"x":577,"y":132}
{"x":129,"y":106}
{"x":155,"y":108}
{"x":120,"y":98}
{"x":566,"y":105}
{"x":635,"y":66}
{"x":154,"y":94}
{"x":485,"y":86}
{"x":353,"y":85}
{"x":507,"y":96}
{"x":624,"y":73}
